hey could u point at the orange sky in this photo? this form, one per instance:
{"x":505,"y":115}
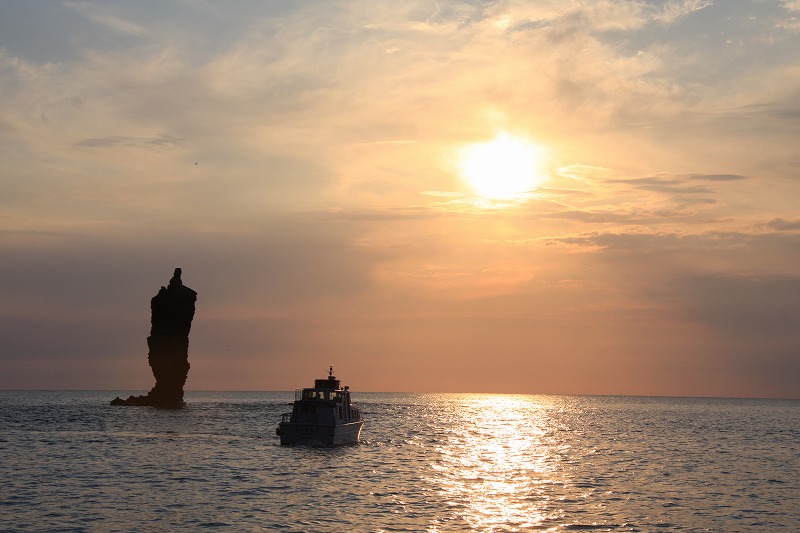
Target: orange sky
{"x":327,"y":220}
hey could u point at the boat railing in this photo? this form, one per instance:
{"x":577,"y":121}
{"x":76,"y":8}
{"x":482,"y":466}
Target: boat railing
{"x":286,"y":417}
{"x":298,"y":394}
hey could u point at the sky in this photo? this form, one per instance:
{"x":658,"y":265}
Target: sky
{"x":326,"y":175}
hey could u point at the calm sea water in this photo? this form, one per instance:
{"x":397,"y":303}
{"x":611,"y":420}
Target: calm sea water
{"x":427,"y":462}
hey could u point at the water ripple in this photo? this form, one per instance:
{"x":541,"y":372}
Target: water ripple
{"x":438,"y":463}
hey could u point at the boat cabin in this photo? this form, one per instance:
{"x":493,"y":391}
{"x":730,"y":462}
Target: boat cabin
{"x":324,"y":403}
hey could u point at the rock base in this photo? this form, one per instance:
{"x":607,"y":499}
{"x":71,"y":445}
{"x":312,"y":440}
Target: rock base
{"x":148,"y":401}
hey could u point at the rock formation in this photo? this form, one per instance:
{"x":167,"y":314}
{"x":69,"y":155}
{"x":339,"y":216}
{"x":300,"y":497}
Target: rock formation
{"x":172,"y":310}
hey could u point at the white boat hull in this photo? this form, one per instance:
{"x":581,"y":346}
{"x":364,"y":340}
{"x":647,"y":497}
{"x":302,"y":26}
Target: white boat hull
{"x":320,"y":434}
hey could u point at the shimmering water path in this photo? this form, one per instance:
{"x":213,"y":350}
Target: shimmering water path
{"x":428,"y":462}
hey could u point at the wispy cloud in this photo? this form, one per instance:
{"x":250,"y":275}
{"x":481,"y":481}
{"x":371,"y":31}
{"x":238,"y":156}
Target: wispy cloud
{"x":662,"y":184}
{"x":791,"y":5}
{"x":717,"y":177}
{"x":672,"y":10}
{"x":780,"y":224}
{"x":94,"y":12}
{"x":161,"y":140}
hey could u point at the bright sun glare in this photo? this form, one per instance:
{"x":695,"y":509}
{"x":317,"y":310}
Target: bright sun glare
{"x":502,"y":168}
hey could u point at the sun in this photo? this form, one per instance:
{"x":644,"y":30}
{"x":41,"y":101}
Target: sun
{"x":504,"y":168}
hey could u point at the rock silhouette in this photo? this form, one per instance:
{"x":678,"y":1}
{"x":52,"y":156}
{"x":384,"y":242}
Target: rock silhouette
{"x":172,"y":310}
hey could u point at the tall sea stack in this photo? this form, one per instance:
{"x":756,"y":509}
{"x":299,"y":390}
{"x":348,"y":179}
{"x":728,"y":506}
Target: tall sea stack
{"x":172,"y":310}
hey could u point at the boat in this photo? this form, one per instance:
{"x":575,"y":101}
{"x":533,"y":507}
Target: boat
{"x":322,"y":415}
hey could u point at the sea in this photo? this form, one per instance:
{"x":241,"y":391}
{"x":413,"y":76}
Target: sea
{"x":69,"y":461}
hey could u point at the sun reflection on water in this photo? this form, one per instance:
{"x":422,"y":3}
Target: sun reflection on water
{"x":496,"y":461}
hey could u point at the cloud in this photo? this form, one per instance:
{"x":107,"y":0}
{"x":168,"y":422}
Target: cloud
{"x":284,"y":258}
{"x":672,"y":10}
{"x":107,"y":20}
{"x":398,"y":141}
{"x":717,"y":177}
{"x":67,"y":285}
{"x":633,"y":217}
{"x":391,"y":213}
{"x":753,"y":309}
{"x":780,"y":224}
{"x":791,"y":5}
{"x":783,"y":247}
{"x":662,"y":184}
{"x":162,"y":140}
